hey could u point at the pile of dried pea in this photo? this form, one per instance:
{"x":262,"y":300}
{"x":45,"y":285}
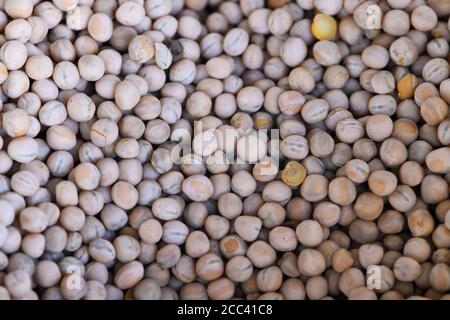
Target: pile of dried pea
{"x":318,"y":159}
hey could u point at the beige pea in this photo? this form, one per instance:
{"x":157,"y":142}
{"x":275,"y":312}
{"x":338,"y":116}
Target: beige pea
{"x":326,"y":53}
{"x":66,"y":193}
{"x":279,"y":21}
{"x":314,"y":188}
{"x":368,"y":206}
{"x":66,"y":75}
{"x":198,"y":188}
{"x":205,"y":143}
{"x":269,"y":279}
{"x":15,"y":122}
{"x":221,"y":289}
{"x":250,"y":99}
{"x":129,"y":275}
{"x":8,"y":215}
{"x":216,"y":226}
{"x":311,"y":262}
{"x":25,"y":183}
{"x":219,"y":67}
{"x":127,"y":248}
{"x":382,"y":182}
{"x":11,"y":239}
{"x":235,"y":42}
{"x":435,"y":70}
{"x":18,"y":283}
{"x":382,"y":82}
{"x":293,"y":51}
{"x":70,"y":292}
{"x":403,"y":51}
{"x":23,"y":149}
{"x":393,"y":152}
{"x":102,"y":250}
{"x":130,"y":13}
{"x":126,"y":95}
{"x":61,"y":137}
{"x":189,"y":27}
{"x":357,"y":170}
{"x":157,"y":131}
{"x":52,"y":113}
{"x":112,"y":60}
{"x":80,"y":107}
{"x":423,"y":18}
{"x":294,"y":147}
{"x":47,"y":273}
{"x":407,"y":269}
{"x":271,"y":213}
{"x":321,"y":144}
{"x":434,"y":110}
{"x":124,"y":195}
{"x":253,"y":57}
{"x":13,"y":54}
{"x":127,"y":148}
{"x":209,"y":267}
{"x":148,"y":108}
{"x":18,"y":9}
{"x":248,"y":227}
{"x":342,"y":191}
{"x":301,"y":79}
{"x":16,"y":84}
{"x":33,"y":219}
{"x":309,"y":233}
{"x":411,"y":173}
{"x":437,"y":160}
{"x":166,"y":209}
{"x":100,"y":27}
{"x":261,"y":254}
{"x":420,"y":223}
{"x":183,"y":71}
{"x":29,"y":102}
{"x":443,"y":89}
{"x":375,"y":57}
{"x":440,"y":277}
{"x":349,"y":130}
{"x":342,"y":260}
{"x":104,"y":132}
{"x":87,"y":176}
{"x":161,"y":160}
{"x":290,"y":102}
{"x":78,"y":18}
{"x":239,"y":269}
{"x":91,"y":67}
{"x":72,"y":218}
{"x":141,"y":49}
{"x":163,"y":56}
{"x":283,"y":239}
{"x":379,"y":127}
{"x":39,"y":67}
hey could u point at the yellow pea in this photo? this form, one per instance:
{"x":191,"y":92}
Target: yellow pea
{"x":406,"y":86}
{"x":324,"y":27}
{"x":293,"y":174}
